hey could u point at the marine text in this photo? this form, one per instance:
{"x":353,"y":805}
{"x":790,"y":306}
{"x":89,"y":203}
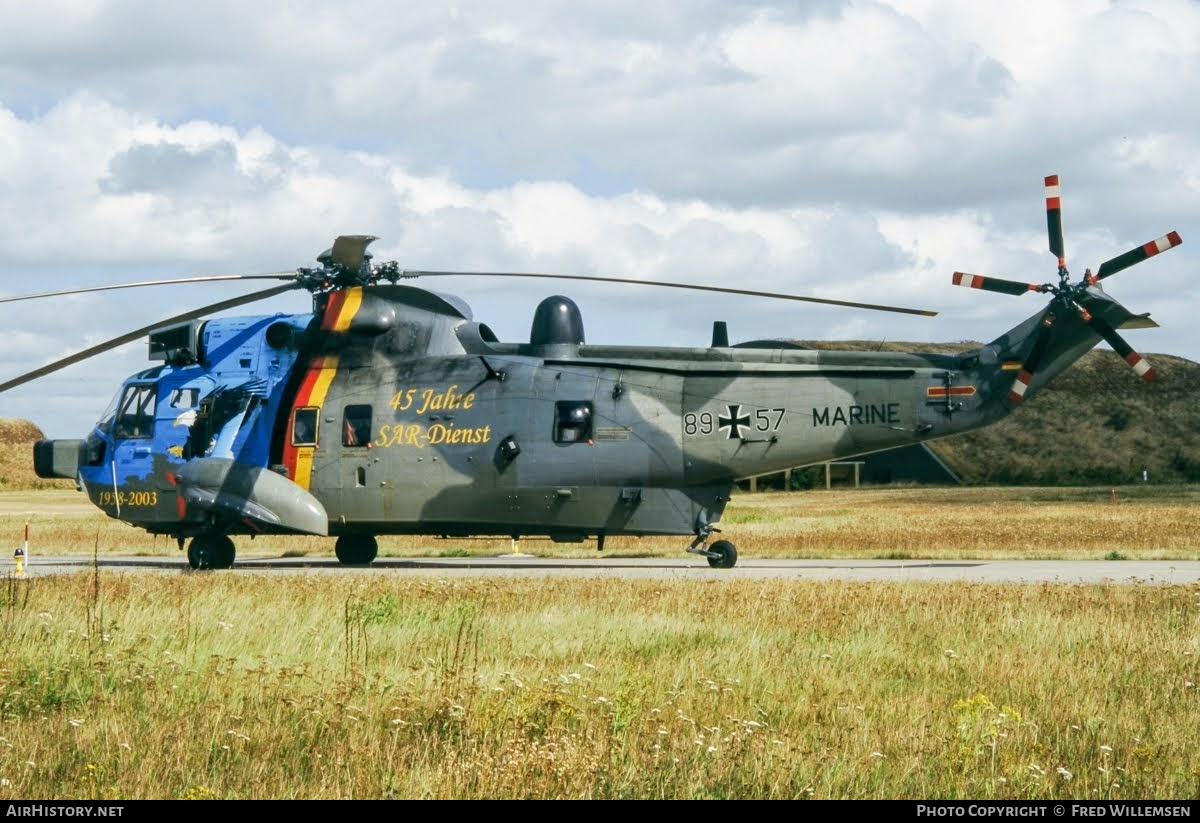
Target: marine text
{"x":857,"y":415}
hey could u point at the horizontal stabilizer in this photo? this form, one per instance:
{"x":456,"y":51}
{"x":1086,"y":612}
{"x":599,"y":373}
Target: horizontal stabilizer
{"x":1140,"y":321}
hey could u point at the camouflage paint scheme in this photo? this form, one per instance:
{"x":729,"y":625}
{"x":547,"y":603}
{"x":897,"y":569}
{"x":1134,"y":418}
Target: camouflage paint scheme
{"x":671,"y":429}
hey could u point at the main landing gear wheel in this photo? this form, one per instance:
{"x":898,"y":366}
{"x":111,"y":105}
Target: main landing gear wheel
{"x":211,"y":551}
{"x":356,"y":549}
{"x":722,"y":555}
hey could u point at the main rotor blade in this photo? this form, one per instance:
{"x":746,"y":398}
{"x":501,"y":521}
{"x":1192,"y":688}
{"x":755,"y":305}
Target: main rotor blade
{"x":282,"y":275}
{"x":978,"y":281}
{"x":1123,"y":261}
{"x":874,"y":307}
{"x":134,"y":335}
{"x":1054,"y":219}
{"x":1143,"y":368}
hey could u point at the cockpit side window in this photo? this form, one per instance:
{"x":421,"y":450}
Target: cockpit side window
{"x":304,"y":426}
{"x":135,"y":413}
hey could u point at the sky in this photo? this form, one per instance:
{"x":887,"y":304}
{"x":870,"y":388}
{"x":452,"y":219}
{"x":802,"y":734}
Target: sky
{"x":859,"y":151}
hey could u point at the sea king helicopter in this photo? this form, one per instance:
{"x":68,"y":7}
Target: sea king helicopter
{"x":389,"y":410}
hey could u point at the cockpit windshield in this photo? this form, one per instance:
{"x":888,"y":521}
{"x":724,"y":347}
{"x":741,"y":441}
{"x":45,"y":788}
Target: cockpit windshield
{"x":131,"y":412}
{"x":110,"y":412}
{"x":135,"y":412}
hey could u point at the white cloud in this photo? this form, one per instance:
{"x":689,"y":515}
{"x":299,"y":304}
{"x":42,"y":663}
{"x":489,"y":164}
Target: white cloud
{"x":853,"y":150}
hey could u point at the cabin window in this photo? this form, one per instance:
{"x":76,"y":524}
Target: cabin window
{"x":572,"y":421}
{"x":356,"y":426}
{"x":135,"y":414}
{"x":184,"y":398}
{"x":304,"y":426}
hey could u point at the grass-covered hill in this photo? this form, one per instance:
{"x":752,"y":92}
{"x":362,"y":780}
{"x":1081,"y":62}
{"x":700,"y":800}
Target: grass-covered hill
{"x":1097,"y":423}
{"x":16,"y":457}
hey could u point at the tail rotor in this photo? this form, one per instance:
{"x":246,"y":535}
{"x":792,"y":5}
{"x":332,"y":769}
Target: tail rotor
{"x":1067,"y":296}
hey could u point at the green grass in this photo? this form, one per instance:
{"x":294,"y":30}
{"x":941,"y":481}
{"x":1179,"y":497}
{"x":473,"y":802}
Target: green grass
{"x":376,"y":686}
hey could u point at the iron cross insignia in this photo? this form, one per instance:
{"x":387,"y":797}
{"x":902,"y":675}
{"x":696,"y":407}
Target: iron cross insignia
{"x":733,"y":422}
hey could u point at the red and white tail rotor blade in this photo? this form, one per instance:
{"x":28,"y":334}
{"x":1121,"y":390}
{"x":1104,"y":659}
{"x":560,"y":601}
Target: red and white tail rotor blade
{"x":1140,"y":365}
{"x":1123,"y":261}
{"x":1054,"y":219}
{"x":978,"y":281}
{"x":1025,"y":376}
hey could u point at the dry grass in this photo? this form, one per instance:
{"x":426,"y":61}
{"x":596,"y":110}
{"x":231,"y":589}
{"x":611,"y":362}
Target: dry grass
{"x":16,"y":457}
{"x":227,"y":686}
{"x":1145,"y":523}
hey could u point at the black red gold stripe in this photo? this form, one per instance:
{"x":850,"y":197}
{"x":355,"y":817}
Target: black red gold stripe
{"x":298,"y":459}
{"x":341,"y":308}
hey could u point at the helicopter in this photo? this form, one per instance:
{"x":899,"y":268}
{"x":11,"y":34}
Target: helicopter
{"x":388,"y":409}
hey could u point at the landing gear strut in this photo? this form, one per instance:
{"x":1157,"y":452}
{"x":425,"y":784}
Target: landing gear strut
{"x":721,"y":555}
{"x":356,"y":549}
{"x":211,"y":551}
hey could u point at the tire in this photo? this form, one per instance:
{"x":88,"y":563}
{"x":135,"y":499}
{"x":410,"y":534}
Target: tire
{"x":726,"y":555}
{"x":211,"y":551}
{"x":356,"y":549}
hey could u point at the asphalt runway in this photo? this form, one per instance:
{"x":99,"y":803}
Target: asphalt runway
{"x":1144,"y":572}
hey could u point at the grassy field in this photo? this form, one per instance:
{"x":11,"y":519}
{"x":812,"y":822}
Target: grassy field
{"x":383,"y":686}
{"x":1143,"y":522}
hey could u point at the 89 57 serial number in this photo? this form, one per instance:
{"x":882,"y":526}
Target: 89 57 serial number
{"x":706,"y":422}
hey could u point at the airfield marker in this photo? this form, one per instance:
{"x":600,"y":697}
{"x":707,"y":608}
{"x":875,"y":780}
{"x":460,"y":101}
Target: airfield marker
{"x":19,"y":555}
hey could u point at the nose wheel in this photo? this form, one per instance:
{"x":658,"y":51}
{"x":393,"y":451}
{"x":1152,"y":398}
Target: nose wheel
{"x":211,"y":551}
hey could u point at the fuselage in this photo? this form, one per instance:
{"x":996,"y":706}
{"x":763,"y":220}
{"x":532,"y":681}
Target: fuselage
{"x":391,"y":411}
